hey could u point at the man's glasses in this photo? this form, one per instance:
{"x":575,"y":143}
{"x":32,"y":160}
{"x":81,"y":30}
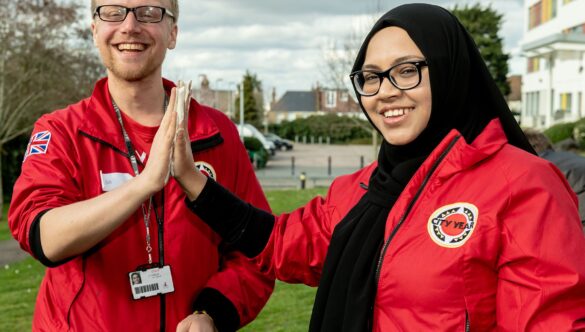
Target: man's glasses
{"x":144,"y":14}
{"x":403,"y":76}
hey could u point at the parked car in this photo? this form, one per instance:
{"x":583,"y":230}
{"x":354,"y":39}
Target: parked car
{"x":280,"y":143}
{"x":251,"y":131}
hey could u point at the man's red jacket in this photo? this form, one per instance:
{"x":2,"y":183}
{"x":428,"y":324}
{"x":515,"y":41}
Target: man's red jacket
{"x":79,"y":153}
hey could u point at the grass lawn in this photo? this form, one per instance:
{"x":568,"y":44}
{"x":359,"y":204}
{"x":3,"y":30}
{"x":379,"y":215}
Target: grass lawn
{"x":4,"y":232}
{"x":18,"y":289}
{"x":288,"y":309}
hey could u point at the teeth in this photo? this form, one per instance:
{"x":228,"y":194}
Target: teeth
{"x":397,"y":112}
{"x":131,"y":47}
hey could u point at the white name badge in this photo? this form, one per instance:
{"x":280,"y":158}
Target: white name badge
{"x":151,"y":282}
{"x":111,"y":181}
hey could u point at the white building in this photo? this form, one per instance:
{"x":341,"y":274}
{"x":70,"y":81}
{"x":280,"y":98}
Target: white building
{"x":554,"y":46}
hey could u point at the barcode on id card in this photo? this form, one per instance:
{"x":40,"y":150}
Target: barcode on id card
{"x":146,"y":288}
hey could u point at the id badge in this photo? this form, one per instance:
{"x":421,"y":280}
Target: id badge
{"x":151,"y":282}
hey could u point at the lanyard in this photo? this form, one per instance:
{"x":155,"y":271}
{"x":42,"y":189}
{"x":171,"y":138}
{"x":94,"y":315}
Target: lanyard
{"x":134,"y":163}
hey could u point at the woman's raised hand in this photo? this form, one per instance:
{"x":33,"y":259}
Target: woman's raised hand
{"x":184,"y":171}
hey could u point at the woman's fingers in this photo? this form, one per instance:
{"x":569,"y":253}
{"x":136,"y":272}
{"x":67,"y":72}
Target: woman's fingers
{"x":186,"y":115}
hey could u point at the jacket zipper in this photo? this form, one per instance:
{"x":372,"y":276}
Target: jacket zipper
{"x":95,"y":139}
{"x":196,"y":146}
{"x":467,"y":322}
{"x":408,"y":209}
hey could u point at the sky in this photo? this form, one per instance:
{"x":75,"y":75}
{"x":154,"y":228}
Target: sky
{"x":284,"y":42}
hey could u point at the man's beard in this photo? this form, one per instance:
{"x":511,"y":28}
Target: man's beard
{"x":132,"y":75}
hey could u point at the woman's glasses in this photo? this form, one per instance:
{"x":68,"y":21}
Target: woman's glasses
{"x":403,"y":76}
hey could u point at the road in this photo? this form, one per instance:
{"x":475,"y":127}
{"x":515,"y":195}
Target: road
{"x":313,"y":159}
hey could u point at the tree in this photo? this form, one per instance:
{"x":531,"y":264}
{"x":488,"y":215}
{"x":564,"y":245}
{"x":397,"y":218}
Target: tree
{"x":253,"y":101}
{"x":484,"y":23}
{"x":338,"y":60}
{"x":46,"y":62}
{"x":339,"y":55}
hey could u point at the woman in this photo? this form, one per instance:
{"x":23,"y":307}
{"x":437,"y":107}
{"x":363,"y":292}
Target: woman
{"x":458,"y":226}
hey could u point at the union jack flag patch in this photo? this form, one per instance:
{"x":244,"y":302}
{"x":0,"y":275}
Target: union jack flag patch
{"x":38,"y":144}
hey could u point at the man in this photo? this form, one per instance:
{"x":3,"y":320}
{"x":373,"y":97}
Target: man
{"x":93,"y":202}
{"x":571,"y":164}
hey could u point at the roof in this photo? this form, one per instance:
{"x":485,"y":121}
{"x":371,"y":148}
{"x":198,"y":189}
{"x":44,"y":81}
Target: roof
{"x":553,"y":42}
{"x":296,"y":101}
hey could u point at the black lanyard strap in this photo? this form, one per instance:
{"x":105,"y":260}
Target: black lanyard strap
{"x":134,"y":163}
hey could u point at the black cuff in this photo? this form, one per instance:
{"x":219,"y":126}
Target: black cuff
{"x":34,"y":238}
{"x":241,"y":225}
{"x":224,"y":313}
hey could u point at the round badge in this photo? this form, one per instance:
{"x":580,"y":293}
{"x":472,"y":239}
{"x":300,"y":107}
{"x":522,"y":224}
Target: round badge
{"x":206,"y":169}
{"x":451,"y":225}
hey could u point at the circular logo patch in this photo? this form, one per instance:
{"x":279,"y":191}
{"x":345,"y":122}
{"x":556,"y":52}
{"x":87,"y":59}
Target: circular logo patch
{"x":206,"y":169}
{"x":451,"y":225}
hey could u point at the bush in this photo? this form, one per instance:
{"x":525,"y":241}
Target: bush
{"x":579,"y":133}
{"x":12,"y":156}
{"x":340,"y":129}
{"x":252,"y":143}
{"x":560,"y":132}
{"x":258,"y":155}
{"x":258,"y":158}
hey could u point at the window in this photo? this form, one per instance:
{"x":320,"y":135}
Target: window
{"x":532,"y":103}
{"x":541,"y":12}
{"x":578,"y":29}
{"x":344,"y":97}
{"x":331,"y":99}
{"x":552,"y":10}
{"x":534,"y":15}
{"x":533,"y":64}
{"x":580,"y":104}
{"x":566,"y":102}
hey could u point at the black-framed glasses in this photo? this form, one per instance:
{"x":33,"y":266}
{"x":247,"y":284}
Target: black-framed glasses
{"x":144,"y":14}
{"x":404,"y":76}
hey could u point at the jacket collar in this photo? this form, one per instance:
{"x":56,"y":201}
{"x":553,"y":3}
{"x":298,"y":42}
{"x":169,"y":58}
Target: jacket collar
{"x":464,"y":155}
{"x":100,"y":120}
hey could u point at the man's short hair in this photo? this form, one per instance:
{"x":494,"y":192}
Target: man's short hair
{"x":174,"y":8}
{"x":538,"y":140}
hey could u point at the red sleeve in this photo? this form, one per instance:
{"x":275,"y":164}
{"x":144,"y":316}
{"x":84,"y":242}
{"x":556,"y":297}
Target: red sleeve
{"x":541,"y":283}
{"x":239,"y":279}
{"x":48,"y":178}
{"x":298,"y":245}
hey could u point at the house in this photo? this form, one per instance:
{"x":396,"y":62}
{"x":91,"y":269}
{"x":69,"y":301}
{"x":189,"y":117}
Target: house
{"x":554,"y":47}
{"x":220,"y":99}
{"x":318,"y":101}
{"x":514,"y":98}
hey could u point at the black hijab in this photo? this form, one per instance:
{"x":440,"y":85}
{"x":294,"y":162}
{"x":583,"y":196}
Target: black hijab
{"x":464,"y":97}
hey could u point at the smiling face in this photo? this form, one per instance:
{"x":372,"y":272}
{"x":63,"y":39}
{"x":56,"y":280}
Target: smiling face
{"x":131,"y":50}
{"x":400,"y":115}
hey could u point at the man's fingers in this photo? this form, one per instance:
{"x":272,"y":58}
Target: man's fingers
{"x":172,"y":98}
{"x":168,"y":124}
{"x":180,"y":142}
